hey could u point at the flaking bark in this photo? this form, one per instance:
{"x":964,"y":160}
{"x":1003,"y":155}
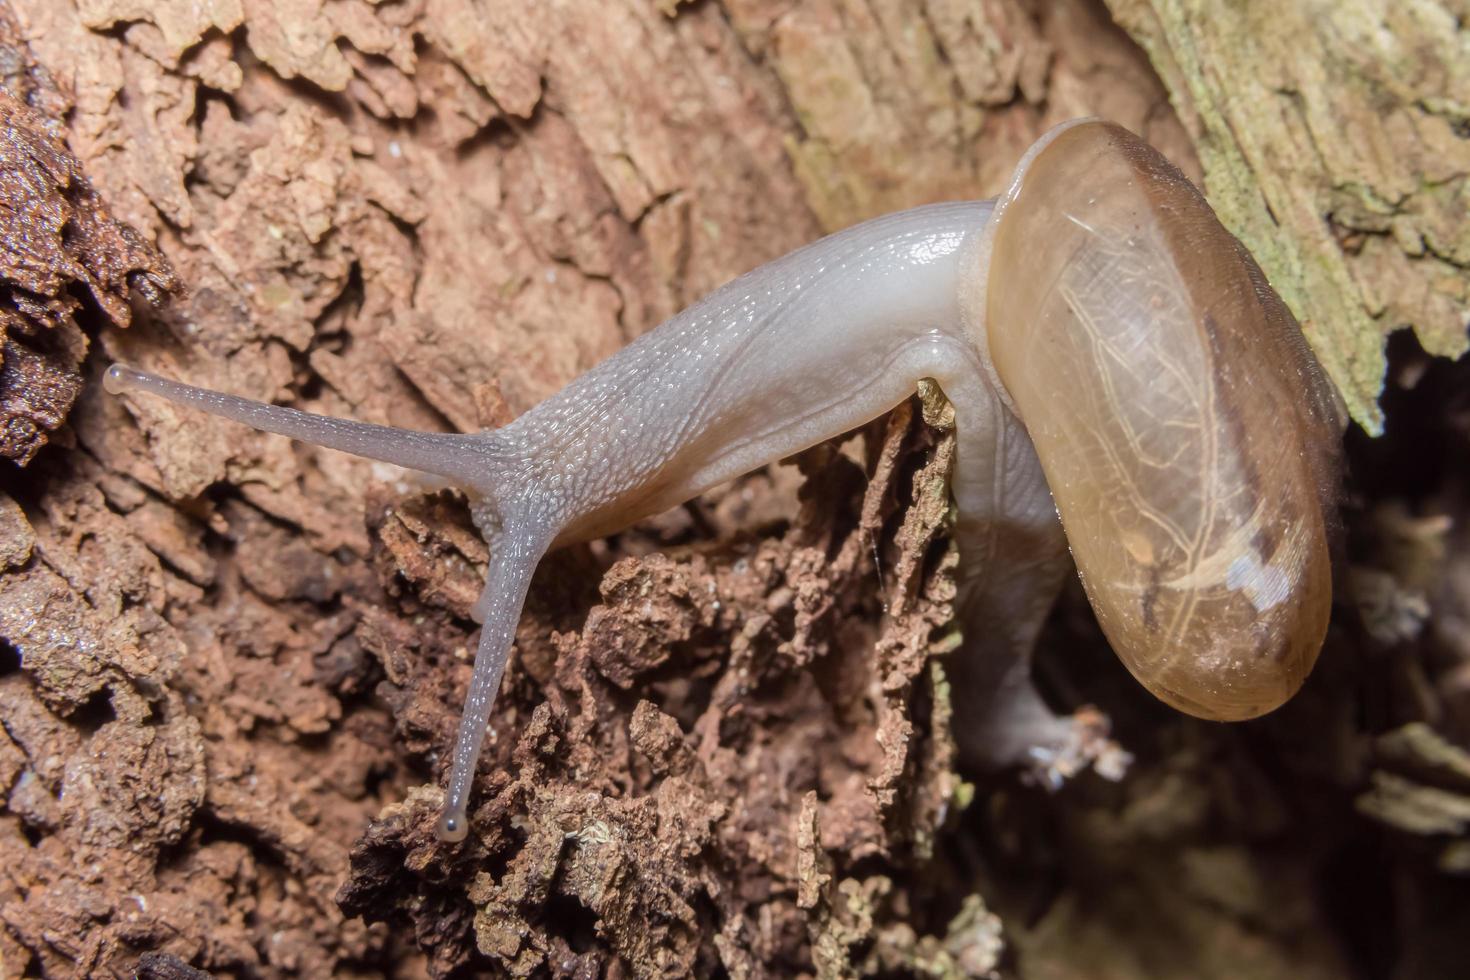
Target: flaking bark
{"x":232,"y":666}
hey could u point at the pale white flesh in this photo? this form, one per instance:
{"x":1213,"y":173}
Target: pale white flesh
{"x":800,"y":350}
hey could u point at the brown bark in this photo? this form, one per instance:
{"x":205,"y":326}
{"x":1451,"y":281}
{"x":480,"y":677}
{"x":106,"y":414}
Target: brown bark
{"x":61,"y":241}
{"x":232,"y":666}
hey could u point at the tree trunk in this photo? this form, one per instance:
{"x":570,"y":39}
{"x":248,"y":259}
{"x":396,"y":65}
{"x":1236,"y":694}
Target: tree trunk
{"x":233,"y":665}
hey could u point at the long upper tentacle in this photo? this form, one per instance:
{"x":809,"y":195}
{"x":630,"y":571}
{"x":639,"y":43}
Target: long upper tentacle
{"x":466,"y":460}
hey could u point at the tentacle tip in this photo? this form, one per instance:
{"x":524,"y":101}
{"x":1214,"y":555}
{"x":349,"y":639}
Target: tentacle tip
{"x":453,"y":826}
{"x":118,"y":378}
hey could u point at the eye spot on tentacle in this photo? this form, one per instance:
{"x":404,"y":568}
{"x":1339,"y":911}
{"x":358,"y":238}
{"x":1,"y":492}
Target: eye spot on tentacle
{"x":115,"y":381}
{"x":452,"y":827}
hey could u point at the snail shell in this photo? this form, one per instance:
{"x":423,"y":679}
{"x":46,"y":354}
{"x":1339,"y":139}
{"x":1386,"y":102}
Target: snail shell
{"x":1161,"y":380}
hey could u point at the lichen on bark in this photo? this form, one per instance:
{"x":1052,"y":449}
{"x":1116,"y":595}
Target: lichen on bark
{"x":1332,"y":137}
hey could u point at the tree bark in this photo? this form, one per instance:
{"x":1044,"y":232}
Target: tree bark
{"x":233,"y":665}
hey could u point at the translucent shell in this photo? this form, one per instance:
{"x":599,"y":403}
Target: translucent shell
{"x":1188,"y":435}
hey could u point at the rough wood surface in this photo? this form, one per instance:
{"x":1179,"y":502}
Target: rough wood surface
{"x":62,"y":245}
{"x":1333,"y":140}
{"x":231,"y":666}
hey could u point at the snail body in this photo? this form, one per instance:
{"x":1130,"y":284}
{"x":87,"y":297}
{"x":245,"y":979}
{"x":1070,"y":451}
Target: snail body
{"x":1174,"y":421}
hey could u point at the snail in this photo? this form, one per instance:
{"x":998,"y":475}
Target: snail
{"x":1118,"y":367}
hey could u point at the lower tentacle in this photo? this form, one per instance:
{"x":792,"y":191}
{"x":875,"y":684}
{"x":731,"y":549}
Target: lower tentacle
{"x":514,"y":554}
